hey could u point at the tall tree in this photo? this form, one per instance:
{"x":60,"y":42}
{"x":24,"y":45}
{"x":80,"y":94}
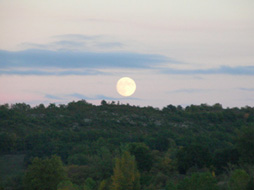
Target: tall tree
{"x":104,"y":185}
{"x":44,"y":174}
{"x":126,"y":175}
{"x":245,"y":144}
{"x":142,"y":155}
{"x":66,"y":185}
{"x":90,"y":184}
{"x":193,"y":155}
{"x":239,"y":180}
{"x":198,"y":181}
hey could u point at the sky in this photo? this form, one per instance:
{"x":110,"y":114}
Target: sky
{"x":179,"y":52}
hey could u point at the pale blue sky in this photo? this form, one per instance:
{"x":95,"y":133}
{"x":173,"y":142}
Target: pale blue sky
{"x":178,"y":52}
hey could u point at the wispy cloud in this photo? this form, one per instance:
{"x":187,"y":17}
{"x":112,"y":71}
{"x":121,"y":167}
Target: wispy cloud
{"x":51,"y":73}
{"x":82,"y":96}
{"x":49,"y":96}
{"x":68,"y":55}
{"x":96,"y":97}
{"x":239,"y":70}
{"x":77,"y":42}
{"x":36,"y":61}
{"x":49,"y":62}
{"x":110,"y":45}
{"x":78,"y":37}
{"x":247,"y":89}
{"x":99,"y":97}
{"x":68,"y":43}
{"x":79,"y":96}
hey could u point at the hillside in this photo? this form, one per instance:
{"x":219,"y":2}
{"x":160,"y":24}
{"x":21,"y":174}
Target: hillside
{"x":175,"y":142}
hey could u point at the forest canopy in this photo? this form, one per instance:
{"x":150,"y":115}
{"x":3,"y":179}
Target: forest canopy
{"x":85,"y":146}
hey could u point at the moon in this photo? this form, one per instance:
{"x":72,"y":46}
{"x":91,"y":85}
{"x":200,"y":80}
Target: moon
{"x":126,"y":86}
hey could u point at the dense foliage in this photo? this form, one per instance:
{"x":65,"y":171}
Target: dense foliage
{"x":83,"y":146}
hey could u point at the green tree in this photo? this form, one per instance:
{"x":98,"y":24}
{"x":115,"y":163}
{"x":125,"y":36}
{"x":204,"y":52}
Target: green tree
{"x":103,"y":103}
{"x":126,"y":175}
{"x":77,"y":159}
{"x":78,"y":174}
{"x":66,"y":185}
{"x":44,"y":174}
{"x":198,"y":181}
{"x":193,"y":156}
{"x":142,"y":155}
{"x":225,"y":156}
{"x":89,"y":184}
{"x":170,"y":186}
{"x":104,"y":185}
{"x":239,"y":180}
{"x":7,"y":142}
{"x":245,"y":145}
{"x":250,"y":185}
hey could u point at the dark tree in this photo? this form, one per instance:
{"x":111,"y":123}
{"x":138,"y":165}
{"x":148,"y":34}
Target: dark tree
{"x":245,"y":145}
{"x":44,"y":174}
{"x":142,"y":155}
{"x":192,"y":156}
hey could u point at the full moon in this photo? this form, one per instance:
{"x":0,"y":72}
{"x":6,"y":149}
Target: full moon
{"x":126,"y":86}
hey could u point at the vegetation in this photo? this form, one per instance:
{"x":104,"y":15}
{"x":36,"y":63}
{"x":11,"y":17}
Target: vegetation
{"x":80,"y":146}
{"x":126,"y":175}
{"x":44,"y":174}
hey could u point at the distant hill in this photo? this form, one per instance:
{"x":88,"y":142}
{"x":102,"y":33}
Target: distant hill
{"x":78,"y":131}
